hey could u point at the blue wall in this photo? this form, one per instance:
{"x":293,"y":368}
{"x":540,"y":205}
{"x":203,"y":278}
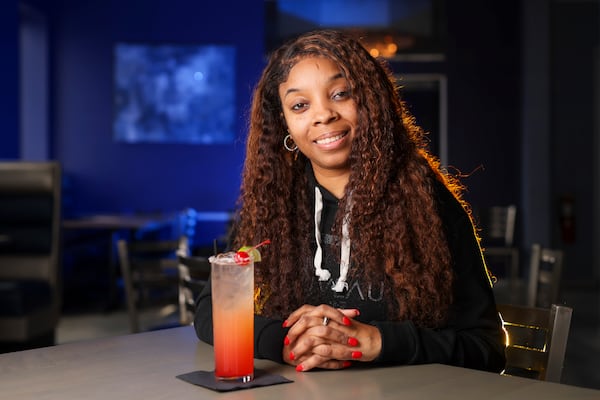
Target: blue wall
{"x":9,"y":78}
{"x":482,"y":66}
{"x":106,"y":176}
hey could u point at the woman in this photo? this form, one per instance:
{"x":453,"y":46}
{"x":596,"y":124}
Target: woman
{"x":373,"y":255}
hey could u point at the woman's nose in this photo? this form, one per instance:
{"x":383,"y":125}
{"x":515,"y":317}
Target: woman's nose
{"x":324,"y":113}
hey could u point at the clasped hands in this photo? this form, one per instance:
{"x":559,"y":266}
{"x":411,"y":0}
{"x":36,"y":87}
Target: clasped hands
{"x":329,"y":338}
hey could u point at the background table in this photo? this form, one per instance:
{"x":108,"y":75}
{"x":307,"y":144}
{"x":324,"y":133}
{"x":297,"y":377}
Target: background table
{"x":99,"y":233}
{"x":94,"y":232}
{"x":144,"y":366}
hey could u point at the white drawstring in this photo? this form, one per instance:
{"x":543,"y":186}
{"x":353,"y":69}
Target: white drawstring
{"x":345,"y":257}
{"x":324,"y":274}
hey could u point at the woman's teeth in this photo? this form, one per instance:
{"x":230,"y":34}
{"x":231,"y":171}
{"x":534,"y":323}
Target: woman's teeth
{"x":330,"y":139}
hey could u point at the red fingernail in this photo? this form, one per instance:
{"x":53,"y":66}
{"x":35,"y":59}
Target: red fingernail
{"x":285,"y":324}
{"x":286,"y":341}
{"x":352,"y":341}
{"x":346,"y":321}
{"x":356,"y":354}
{"x":346,"y":364}
{"x":292,"y":356}
{"x":357,"y":312}
{"x":299,"y":368}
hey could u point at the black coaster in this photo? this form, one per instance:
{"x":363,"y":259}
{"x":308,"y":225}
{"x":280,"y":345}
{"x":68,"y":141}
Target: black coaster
{"x":207,"y":379}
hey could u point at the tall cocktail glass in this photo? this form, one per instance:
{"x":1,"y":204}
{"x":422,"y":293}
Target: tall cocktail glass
{"x":233,"y":317}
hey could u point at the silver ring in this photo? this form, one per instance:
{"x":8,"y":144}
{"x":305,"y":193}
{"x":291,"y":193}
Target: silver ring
{"x":325,"y":321}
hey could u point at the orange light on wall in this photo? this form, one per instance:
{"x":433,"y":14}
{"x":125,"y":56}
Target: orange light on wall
{"x":387,"y":45}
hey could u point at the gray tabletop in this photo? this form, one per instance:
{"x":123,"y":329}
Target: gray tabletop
{"x":144,"y":366}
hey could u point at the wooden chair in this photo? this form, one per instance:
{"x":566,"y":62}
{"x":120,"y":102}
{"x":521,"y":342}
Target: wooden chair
{"x":150,"y":278}
{"x":498,"y":232}
{"x":30,"y":248}
{"x":194,"y":273}
{"x":545,"y":270}
{"x":536,"y":340}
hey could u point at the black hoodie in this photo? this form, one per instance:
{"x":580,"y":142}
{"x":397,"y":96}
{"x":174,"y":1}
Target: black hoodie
{"x":472,"y":337}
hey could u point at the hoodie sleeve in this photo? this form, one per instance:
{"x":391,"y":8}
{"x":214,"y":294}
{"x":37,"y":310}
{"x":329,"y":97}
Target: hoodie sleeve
{"x":473,"y":335}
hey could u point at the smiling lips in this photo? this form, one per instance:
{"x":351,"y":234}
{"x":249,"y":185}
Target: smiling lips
{"x":331,"y":139}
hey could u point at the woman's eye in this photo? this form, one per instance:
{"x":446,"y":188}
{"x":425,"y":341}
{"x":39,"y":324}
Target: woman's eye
{"x":342,"y":94}
{"x":298,"y":106}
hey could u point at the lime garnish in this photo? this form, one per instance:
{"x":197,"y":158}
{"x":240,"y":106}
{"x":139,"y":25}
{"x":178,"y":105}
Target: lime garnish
{"x":251,"y":251}
{"x":246,"y":254}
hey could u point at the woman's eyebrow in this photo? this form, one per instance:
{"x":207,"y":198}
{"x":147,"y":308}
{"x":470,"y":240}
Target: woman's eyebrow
{"x":333,"y":78}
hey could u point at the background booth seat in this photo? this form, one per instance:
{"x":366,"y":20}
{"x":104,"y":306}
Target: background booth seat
{"x":30,"y":295}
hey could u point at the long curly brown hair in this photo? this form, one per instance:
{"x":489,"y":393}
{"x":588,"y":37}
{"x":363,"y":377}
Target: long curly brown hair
{"x":396,"y":233}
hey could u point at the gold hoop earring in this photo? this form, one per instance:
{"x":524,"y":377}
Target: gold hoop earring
{"x":289,"y":148}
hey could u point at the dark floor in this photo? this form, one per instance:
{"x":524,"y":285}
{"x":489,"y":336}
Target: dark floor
{"x":582,"y":361}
